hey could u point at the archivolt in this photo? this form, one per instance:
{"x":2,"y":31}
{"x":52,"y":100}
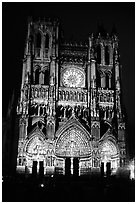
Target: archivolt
{"x":108,"y":147}
{"x":34,"y":145}
{"x":72,"y":143}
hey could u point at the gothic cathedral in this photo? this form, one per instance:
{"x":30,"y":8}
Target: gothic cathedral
{"x":70,"y":114}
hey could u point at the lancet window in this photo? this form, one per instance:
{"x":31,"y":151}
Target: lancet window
{"x":107,"y":55}
{"x":38,"y":40}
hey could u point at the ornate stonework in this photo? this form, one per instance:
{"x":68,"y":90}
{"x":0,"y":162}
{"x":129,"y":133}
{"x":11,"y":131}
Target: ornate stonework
{"x":70,"y":103}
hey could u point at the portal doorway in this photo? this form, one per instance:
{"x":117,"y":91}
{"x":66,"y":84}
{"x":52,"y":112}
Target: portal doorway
{"x":38,"y":168}
{"x":41,"y":169}
{"x":72,"y":166}
{"x":34,"y":168}
{"x":105,"y":169}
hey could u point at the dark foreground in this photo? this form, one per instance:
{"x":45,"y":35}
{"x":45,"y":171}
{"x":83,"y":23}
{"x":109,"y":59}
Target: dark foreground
{"x":60,"y":188}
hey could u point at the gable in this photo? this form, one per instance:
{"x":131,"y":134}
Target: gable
{"x":72,"y":122}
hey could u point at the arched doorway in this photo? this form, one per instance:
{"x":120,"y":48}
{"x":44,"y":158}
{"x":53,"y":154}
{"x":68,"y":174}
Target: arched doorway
{"x":109,"y":156}
{"x":34,"y":150}
{"x":71,"y":145}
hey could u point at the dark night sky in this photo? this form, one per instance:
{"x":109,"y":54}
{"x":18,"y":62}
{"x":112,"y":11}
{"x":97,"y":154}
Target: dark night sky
{"x":78,"y":20}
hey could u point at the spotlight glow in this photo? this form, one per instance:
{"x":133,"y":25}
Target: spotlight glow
{"x":42,"y":185}
{"x":131,"y":167}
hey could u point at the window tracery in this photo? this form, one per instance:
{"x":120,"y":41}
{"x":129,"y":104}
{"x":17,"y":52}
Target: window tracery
{"x":73,"y":77}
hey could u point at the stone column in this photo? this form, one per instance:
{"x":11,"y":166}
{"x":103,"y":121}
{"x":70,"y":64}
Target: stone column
{"x":38,"y":110}
{"x":64,"y":114}
{"x":110,"y":82}
{"x":102,"y":55}
{"x":111,"y":55}
{"x":105,"y":115}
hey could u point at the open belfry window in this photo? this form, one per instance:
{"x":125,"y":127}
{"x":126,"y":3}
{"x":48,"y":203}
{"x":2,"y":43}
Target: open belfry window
{"x":38,"y":40}
{"x":107,"y":55}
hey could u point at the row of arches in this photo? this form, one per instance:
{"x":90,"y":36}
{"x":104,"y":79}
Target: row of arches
{"x":39,"y":93}
{"x":104,"y":80}
{"x":107,"y":151}
{"x":41,"y":77}
{"x":106,"y":114}
{"x":72,"y":96}
{"x":38,"y":110}
{"x":108,"y":97}
{"x":72,"y":142}
{"x":67,"y":111}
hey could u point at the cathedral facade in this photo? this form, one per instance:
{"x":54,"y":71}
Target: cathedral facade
{"x":70,"y":114}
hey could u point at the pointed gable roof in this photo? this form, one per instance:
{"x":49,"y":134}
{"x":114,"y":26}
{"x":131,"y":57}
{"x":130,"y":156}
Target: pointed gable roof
{"x":72,"y":121}
{"x":36,"y":131}
{"x":108,"y":136}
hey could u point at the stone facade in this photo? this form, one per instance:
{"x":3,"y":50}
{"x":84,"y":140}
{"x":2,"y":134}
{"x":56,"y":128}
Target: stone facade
{"x":70,"y":103}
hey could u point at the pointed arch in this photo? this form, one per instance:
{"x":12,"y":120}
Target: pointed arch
{"x":34,"y":145}
{"x":109,"y":151}
{"x":73,"y":140}
{"x":109,"y":147}
{"x":72,"y":143}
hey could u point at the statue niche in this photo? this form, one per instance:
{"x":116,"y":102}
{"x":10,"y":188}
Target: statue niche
{"x":50,"y":128}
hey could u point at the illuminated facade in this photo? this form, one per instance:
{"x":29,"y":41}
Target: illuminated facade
{"x":70,"y":115}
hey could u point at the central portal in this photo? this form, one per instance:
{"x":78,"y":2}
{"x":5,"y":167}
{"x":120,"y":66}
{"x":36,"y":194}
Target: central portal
{"x":72,"y":166}
{"x":73,"y":143}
